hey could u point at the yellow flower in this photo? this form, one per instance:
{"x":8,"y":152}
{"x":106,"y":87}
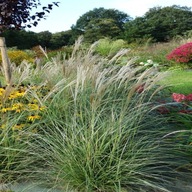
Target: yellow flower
{"x":33,"y":117}
{"x":18,"y":107}
{"x":18,"y":110}
{"x":5,"y":109}
{"x":33,"y":107}
{"x":18,"y":126}
{"x":34,"y":101}
{"x":3,"y":126}
{"x":12,"y":96}
{"x":16,"y":94}
{"x":42,"y":108}
{"x":2,"y":91}
{"x":20,"y":94}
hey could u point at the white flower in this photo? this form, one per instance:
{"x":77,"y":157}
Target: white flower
{"x":155,"y":65}
{"x":141,"y":63}
{"x":149,"y":61}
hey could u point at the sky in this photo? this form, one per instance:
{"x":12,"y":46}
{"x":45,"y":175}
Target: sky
{"x":69,"y":11}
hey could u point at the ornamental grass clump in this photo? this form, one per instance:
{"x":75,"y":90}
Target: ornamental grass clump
{"x":99,"y":133}
{"x":182,"y":54}
{"x":100,"y":130}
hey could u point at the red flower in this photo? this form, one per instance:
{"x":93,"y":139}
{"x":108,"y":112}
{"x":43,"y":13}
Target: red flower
{"x":178,"y":97}
{"x":189,"y":97}
{"x":182,"y":54}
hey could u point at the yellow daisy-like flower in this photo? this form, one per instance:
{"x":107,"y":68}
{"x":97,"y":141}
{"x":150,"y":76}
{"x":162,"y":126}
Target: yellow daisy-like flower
{"x":33,"y":117}
{"x":12,"y":96}
{"x":33,"y":107}
{"x":5,"y":109}
{"x":20,"y":93}
{"x":17,"y":106}
{"x":16,"y":94}
{"x":18,"y":110}
{"x":34,"y":101}
{"x":18,"y":127}
{"x":2,"y":91}
{"x":42,"y":108}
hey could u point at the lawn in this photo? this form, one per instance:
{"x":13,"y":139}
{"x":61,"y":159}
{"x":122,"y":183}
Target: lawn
{"x":180,"y":81}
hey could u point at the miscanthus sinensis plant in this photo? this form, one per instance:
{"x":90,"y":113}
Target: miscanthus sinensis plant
{"x":99,"y":131}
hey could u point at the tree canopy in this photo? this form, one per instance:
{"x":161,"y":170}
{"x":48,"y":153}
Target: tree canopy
{"x":17,"y":14}
{"x":101,"y":22}
{"x":161,"y":24}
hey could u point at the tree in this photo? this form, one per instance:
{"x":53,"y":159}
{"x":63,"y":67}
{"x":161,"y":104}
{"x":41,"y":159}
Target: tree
{"x":100,"y":23}
{"x":101,"y":28}
{"x":21,"y":39}
{"x":44,"y":38}
{"x":15,"y":14}
{"x":137,"y":30}
{"x":61,"y":39}
{"x":162,"y":24}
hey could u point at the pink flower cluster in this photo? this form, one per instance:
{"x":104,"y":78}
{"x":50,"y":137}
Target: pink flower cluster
{"x":181,"y":97}
{"x":182,"y":54}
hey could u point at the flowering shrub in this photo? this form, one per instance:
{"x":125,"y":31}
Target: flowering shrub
{"x":182,"y":54}
{"x":14,"y":102}
{"x":18,"y":110}
{"x":17,"y":56}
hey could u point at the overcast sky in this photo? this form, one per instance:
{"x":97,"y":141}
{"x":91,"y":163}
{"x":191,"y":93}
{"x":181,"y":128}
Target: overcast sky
{"x":63,"y":17}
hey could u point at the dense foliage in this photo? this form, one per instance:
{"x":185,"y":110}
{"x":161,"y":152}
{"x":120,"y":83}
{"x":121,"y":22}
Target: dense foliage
{"x":16,"y":14}
{"x":99,"y":23}
{"x":160,"y":23}
{"x":27,"y":39}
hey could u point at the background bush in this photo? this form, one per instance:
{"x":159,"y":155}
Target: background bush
{"x":108,"y":48}
{"x":17,"y":56}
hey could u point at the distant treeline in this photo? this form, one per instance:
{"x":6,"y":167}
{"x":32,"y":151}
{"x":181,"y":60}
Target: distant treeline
{"x":158,"y":24}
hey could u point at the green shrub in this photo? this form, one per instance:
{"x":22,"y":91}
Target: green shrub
{"x":108,"y":48}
